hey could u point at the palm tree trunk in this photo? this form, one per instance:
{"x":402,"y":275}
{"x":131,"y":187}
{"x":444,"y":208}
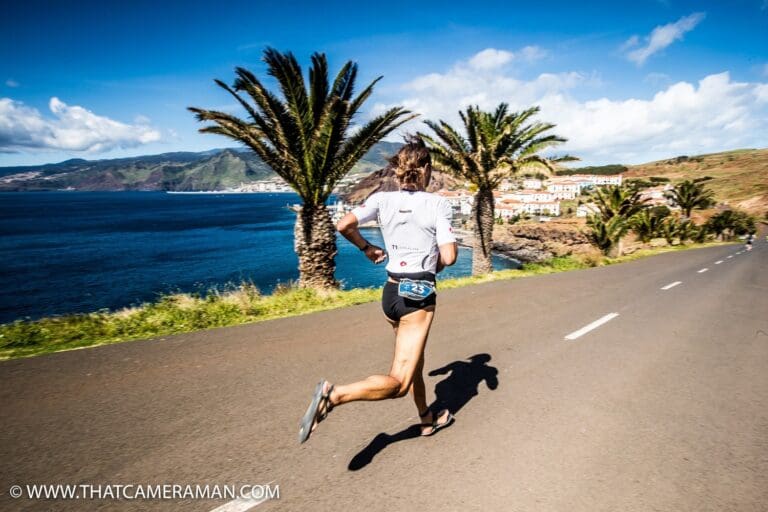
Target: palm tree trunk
{"x":315,"y":244}
{"x":615,"y":250}
{"x":482,"y":217}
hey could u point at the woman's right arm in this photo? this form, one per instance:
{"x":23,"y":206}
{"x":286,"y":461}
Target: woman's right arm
{"x":348,"y":226}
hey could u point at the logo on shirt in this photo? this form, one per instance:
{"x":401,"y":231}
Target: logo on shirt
{"x":402,"y":263}
{"x":405,"y":248}
{"x":405,"y":211}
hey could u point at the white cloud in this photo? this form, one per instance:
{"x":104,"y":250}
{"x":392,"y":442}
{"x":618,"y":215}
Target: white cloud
{"x":490,"y":58}
{"x":761,"y":93}
{"x":11,"y":83}
{"x":714,"y":114}
{"x":661,"y":37}
{"x":629,"y":43}
{"x":532,"y":53}
{"x":72,"y":128}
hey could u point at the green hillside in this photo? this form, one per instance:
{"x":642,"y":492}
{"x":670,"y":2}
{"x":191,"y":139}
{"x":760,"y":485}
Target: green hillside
{"x":738,"y":178}
{"x":209,"y":170}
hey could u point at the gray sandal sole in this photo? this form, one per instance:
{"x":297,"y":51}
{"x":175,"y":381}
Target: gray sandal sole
{"x":305,"y":427}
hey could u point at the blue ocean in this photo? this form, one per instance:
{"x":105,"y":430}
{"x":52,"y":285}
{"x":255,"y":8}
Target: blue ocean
{"x":72,"y":252}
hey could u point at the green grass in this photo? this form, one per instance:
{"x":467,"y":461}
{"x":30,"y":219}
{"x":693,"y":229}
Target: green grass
{"x":181,"y":313}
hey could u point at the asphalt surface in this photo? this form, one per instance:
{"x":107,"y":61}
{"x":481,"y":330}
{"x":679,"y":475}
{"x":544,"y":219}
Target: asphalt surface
{"x":663,"y":407}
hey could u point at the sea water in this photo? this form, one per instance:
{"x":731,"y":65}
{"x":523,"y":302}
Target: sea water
{"x":73,"y":252}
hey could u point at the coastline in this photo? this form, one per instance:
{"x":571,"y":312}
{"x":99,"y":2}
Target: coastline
{"x":182,"y":313}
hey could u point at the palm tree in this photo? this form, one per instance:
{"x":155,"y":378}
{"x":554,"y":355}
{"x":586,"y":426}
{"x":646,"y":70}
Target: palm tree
{"x":621,"y":201}
{"x":646,"y":224}
{"x":496,"y":145}
{"x":686,"y":230}
{"x":305,"y":137}
{"x":606,"y":235}
{"x":617,"y":202}
{"x":669,"y":229}
{"x":729,"y":223}
{"x":690,"y":195}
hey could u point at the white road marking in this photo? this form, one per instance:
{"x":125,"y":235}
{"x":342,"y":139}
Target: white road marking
{"x":594,"y":325}
{"x":718,"y":262}
{"x":671,"y":285}
{"x":241,"y":504}
{"x":730,"y":256}
{"x":703,"y":270}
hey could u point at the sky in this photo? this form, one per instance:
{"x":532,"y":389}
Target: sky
{"x":624,"y":82}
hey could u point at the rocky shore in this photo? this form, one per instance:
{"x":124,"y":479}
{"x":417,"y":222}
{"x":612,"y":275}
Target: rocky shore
{"x":535,"y":242}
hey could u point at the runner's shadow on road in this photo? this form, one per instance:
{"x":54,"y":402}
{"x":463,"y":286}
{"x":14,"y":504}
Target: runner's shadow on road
{"x":452,"y":393}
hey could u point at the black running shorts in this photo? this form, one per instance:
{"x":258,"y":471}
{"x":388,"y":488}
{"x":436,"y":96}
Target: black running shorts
{"x":396,"y":307}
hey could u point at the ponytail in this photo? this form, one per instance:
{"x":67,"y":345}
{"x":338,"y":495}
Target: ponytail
{"x":412,"y":164}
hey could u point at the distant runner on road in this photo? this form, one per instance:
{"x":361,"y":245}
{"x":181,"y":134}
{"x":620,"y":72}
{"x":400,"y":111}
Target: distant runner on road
{"x":750,"y":239}
{"x":416,"y":226}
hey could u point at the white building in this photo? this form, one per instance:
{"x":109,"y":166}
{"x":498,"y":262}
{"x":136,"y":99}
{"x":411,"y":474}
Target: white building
{"x":598,"y":179}
{"x":510,"y":207}
{"x":506,"y":184}
{"x":460,"y":200}
{"x":564,"y":188}
{"x":530,"y":196}
{"x":532,"y":184}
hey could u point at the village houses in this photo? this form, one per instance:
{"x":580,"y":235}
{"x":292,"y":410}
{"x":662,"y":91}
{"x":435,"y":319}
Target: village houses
{"x":564,"y":188}
{"x":532,"y":196}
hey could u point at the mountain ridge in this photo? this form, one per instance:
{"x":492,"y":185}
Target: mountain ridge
{"x":174,"y":171}
{"x":738,"y":177}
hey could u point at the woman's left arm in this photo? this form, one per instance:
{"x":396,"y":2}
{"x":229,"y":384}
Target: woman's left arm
{"x":446,"y":241}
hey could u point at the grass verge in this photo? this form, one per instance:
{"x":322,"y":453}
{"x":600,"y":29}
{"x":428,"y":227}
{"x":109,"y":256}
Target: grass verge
{"x":180,"y":313}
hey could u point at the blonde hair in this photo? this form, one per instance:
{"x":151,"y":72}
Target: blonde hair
{"x":412,"y":164}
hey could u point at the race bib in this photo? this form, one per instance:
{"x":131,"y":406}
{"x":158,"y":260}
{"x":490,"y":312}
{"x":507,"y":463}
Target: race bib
{"x":415,"y":290}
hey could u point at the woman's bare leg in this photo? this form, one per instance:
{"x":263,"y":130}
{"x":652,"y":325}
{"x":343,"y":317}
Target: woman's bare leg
{"x":420,"y":399}
{"x":410,"y":340}
{"x":418,"y":388}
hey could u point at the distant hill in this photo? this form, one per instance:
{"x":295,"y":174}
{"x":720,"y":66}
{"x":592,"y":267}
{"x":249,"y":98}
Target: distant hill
{"x":182,"y":171}
{"x":739,"y":178}
{"x":599,"y":169}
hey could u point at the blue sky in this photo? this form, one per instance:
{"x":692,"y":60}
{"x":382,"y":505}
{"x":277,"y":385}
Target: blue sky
{"x":624,"y":83}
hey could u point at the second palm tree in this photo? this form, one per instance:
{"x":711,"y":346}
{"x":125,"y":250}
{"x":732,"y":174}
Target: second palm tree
{"x":496,"y":145}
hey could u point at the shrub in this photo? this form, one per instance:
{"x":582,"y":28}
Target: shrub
{"x":606,"y":235}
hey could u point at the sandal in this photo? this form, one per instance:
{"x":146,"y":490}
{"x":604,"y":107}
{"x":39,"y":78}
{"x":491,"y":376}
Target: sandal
{"x":434,"y":424}
{"x":314,"y":414}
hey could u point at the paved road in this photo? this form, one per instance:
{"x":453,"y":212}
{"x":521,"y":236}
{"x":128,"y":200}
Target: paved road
{"x":663,"y":407}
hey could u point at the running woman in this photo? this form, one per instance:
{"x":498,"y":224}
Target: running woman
{"x":416,"y":227}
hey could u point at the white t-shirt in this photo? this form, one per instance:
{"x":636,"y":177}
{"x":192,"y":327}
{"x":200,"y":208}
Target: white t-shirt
{"x":413,"y":224}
